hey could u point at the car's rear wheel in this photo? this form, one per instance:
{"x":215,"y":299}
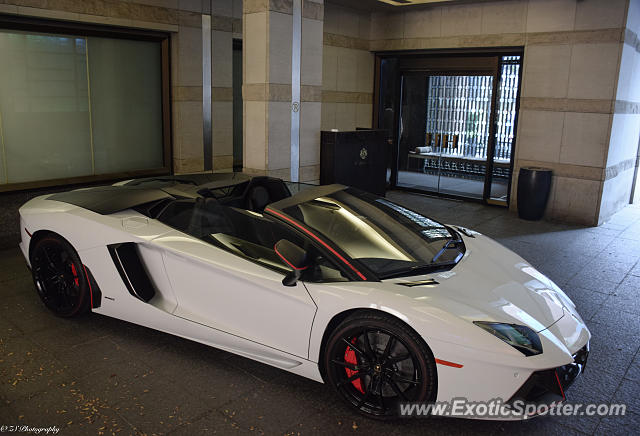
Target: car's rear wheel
{"x":375,"y":362}
{"x":59,"y":276}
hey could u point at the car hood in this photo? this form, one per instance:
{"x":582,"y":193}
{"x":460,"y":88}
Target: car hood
{"x":491,"y":283}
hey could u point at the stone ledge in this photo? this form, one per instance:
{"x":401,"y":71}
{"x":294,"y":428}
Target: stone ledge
{"x":124,"y":10}
{"x":312,"y":10}
{"x":575,"y":37}
{"x":266,"y":92}
{"x":115,"y":13}
{"x":564,"y":170}
{"x":566,"y":105}
{"x":579,"y":105}
{"x":221,"y":162}
{"x":347,"y":97}
{"x":188,"y":165}
{"x":186,"y":93}
{"x":279,"y":92}
{"x":87,"y":18}
{"x":311,"y":93}
{"x":497,"y":40}
{"x":236,"y":25}
{"x":219,"y":93}
{"x":255,"y":6}
{"x":335,"y":40}
{"x":222,"y":24}
{"x":580,"y":171}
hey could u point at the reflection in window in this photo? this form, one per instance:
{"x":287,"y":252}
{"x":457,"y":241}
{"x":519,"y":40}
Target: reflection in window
{"x":381,"y":235}
{"x":74,"y":106}
{"x":458,"y":108}
{"x":433,"y":230}
{"x":44,"y":107}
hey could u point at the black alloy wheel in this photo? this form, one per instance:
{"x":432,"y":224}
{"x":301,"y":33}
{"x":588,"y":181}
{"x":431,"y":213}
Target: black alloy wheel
{"x":59,"y":276}
{"x":375,"y":362}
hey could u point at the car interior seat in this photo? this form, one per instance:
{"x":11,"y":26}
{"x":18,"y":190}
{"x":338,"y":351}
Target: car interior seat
{"x":258,"y":198}
{"x":209,"y":217}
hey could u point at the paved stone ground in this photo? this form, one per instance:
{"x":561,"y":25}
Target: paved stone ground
{"x":97,"y":375}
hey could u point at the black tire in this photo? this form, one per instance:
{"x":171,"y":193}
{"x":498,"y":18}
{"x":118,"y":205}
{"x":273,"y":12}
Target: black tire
{"x":386,"y":371}
{"x":59,"y":276}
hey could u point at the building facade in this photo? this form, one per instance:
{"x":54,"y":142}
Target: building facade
{"x":250,"y":84}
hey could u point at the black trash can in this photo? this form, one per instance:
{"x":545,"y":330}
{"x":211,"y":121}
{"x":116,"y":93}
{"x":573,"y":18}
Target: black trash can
{"x":534,"y":185}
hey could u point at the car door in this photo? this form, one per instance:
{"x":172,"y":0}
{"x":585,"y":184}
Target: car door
{"x":221,"y":288}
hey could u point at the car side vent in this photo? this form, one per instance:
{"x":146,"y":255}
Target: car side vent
{"x":128,"y":263}
{"x":428,"y":282}
{"x":96,"y":293}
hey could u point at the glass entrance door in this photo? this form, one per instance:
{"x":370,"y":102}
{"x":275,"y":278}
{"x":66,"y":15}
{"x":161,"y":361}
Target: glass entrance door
{"x":506,"y":112}
{"x":455,"y":130}
{"x":444,"y":133}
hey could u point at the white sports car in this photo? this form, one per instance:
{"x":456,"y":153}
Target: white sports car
{"x":385,"y":304}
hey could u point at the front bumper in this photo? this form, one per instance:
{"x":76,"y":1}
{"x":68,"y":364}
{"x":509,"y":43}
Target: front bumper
{"x":548,"y":387}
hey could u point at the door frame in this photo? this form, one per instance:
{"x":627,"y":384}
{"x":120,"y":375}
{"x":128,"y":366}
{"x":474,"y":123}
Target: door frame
{"x":450,"y":62}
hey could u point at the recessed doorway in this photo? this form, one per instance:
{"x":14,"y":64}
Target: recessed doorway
{"x":452,"y":123}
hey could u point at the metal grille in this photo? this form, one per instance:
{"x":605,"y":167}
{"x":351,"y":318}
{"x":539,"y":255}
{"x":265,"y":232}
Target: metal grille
{"x":506,"y":111}
{"x":460,"y":105}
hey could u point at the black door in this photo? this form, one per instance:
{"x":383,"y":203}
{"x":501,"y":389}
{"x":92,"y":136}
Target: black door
{"x":454,"y":124}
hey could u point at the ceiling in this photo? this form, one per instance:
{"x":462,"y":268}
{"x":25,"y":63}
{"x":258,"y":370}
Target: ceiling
{"x":412,"y":2}
{"x":393,"y":5}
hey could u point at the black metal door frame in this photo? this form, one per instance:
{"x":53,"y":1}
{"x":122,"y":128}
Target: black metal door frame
{"x":466,"y":62}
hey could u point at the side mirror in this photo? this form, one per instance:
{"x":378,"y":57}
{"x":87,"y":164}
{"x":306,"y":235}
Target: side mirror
{"x":293,"y":256}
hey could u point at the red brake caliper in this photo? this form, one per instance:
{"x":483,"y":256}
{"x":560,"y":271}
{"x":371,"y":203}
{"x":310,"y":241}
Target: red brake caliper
{"x":75,"y":275}
{"x":350,"y":357}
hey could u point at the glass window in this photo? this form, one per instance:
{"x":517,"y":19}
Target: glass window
{"x":126,"y":106}
{"x":44,"y":107}
{"x":78,"y":106}
{"x":246,"y":234}
{"x":505,"y":126}
{"x":387,"y":238}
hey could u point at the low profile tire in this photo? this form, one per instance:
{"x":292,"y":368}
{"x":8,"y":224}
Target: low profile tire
{"x":375,"y":361}
{"x":59,"y":276}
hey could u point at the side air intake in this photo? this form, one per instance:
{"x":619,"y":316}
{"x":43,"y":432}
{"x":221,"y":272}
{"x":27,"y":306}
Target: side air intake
{"x":128,"y":263}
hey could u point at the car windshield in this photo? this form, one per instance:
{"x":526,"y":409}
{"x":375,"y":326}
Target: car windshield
{"x":388,"y":239}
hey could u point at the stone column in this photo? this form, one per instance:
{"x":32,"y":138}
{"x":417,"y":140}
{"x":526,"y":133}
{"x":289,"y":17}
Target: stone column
{"x":267,"y":45}
{"x":222,"y":22}
{"x":186,"y":87}
{"x":311,"y":92}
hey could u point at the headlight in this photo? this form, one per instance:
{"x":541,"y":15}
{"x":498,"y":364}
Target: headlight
{"x":520,"y":337}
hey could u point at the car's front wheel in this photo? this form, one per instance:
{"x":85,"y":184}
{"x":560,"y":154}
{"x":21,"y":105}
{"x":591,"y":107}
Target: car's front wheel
{"x":59,"y":276}
{"x":374,"y":361}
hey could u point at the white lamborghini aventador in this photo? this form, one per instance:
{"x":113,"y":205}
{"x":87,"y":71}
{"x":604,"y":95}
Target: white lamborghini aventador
{"x":384,"y":304}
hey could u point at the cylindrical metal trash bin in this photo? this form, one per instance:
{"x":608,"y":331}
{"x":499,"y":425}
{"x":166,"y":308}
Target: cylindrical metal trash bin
{"x":534,"y":185}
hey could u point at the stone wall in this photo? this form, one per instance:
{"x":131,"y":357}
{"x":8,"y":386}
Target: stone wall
{"x":570,"y":92}
{"x":347,"y":69}
{"x":625,"y":125}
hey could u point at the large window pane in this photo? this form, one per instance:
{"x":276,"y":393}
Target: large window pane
{"x":75,"y":106}
{"x":44,"y":107}
{"x":126,"y":105}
